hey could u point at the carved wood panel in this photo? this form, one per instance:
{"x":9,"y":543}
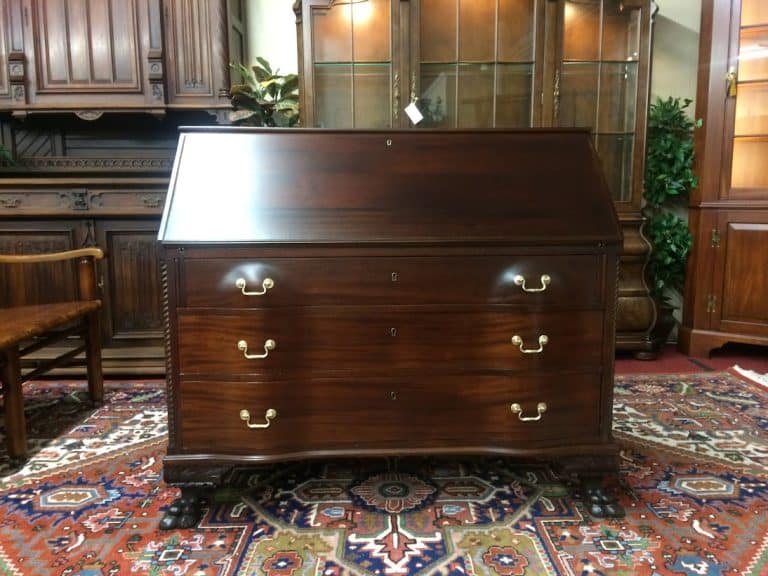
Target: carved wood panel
{"x":38,"y":283}
{"x":198,"y":53}
{"x":87,"y":45}
{"x":132,"y":279}
{"x":82,"y":55}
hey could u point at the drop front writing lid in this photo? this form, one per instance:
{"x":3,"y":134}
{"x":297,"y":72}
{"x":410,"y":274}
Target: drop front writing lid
{"x":308,"y":186}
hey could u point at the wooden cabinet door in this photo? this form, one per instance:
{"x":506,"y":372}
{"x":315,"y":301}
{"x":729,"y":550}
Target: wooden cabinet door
{"x":600,"y":80}
{"x":477,"y":63}
{"x":741,"y":273}
{"x":197,"y":51}
{"x":745,"y":172}
{"x":133,"y":310}
{"x":350,"y":59}
{"x":38,"y":283}
{"x":100,"y":54}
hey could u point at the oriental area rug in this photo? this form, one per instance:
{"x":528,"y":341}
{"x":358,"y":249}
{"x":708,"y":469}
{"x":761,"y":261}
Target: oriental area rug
{"x":693,"y":483}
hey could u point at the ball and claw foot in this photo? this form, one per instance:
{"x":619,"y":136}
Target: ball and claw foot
{"x":600,"y":503}
{"x":183,"y":513}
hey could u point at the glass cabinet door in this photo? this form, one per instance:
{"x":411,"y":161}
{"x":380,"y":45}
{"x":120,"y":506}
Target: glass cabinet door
{"x":350,"y":72}
{"x":748,"y":84}
{"x":474,"y":62}
{"x":596,"y":81}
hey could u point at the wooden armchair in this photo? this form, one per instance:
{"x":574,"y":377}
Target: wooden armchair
{"x":26,"y":328}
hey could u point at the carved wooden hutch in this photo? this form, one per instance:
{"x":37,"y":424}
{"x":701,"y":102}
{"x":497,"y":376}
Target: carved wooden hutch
{"x":91,"y":95}
{"x":727,"y":280}
{"x":496,"y":64}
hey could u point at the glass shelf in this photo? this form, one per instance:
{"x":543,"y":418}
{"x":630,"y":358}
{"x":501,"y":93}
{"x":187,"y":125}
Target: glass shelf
{"x":750,"y":142}
{"x":598,"y":82}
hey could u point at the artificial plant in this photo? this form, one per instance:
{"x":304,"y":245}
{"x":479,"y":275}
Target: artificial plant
{"x":669,"y":177}
{"x":264,"y":97}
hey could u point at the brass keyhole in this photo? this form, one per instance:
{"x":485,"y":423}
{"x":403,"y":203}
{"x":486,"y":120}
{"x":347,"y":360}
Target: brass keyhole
{"x":394,"y":276}
{"x":393,"y":332}
{"x":393,"y":395}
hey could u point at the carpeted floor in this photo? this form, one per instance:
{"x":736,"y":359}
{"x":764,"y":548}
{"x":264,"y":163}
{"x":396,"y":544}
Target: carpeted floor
{"x":694,"y":485}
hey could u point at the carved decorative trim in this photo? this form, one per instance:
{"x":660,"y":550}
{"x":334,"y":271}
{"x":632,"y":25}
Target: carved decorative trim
{"x":10,"y":202}
{"x":297,"y":11}
{"x":19,"y":93}
{"x":157,"y":91}
{"x":16,"y":71}
{"x":152,"y":200}
{"x":170,"y":383}
{"x":80,"y":200}
{"x":97,"y":163}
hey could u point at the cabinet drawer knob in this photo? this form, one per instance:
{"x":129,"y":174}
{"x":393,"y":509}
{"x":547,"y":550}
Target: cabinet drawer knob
{"x":541,"y":407}
{"x":545,"y":280}
{"x":518,"y":341}
{"x":266,"y":285}
{"x":270,"y":344}
{"x":269,"y":415}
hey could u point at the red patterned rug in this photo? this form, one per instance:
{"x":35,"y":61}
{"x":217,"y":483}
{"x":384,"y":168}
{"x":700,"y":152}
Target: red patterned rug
{"x":694,"y":478}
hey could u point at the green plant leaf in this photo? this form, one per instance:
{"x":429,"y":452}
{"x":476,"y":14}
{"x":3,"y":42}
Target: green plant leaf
{"x":271,"y":98}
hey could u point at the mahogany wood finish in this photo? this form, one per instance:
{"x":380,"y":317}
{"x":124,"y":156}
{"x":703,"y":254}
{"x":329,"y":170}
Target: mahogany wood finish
{"x":27,"y":328}
{"x":728,"y":212}
{"x":393,"y":298}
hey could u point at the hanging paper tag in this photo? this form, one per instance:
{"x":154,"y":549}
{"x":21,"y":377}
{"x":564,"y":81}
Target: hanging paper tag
{"x":414,"y":113}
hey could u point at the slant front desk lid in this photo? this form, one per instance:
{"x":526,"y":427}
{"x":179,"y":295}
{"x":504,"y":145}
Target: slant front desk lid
{"x":308,"y":186}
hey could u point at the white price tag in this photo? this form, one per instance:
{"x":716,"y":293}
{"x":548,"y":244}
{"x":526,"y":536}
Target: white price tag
{"x":414,"y":113}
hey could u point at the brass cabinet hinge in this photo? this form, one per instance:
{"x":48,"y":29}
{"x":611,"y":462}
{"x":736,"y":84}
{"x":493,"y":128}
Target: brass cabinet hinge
{"x":711,"y":303}
{"x":715,"y":238}
{"x":731,"y":83}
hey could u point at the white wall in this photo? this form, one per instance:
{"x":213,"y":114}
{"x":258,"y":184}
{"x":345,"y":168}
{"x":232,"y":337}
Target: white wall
{"x":676,"y":49}
{"x":272,"y":33}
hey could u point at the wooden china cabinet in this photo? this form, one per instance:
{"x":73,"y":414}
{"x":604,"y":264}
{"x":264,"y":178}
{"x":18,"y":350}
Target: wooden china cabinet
{"x":727,"y":281}
{"x":496,"y":64}
{"x":91,"y":98}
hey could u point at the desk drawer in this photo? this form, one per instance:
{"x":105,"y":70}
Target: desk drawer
{"x":574,"y":280}
{"x":311,"y":341}
{"x":451,"y":413}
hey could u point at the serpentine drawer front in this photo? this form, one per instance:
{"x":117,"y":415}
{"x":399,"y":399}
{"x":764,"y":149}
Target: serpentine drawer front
{"x":470,"y":411}
{"x":322,"y":339}
{"x":353,"y":293}
{"x":551,"y":280}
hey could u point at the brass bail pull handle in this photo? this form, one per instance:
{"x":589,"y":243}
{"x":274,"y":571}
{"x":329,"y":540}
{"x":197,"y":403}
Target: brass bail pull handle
{"x":545,"y":280}
{"x":266,"y":285}
{"x":541,"y":407}
{"x":543,"y":340}
{"x":269,"y":415}
{"x":270,"y":344}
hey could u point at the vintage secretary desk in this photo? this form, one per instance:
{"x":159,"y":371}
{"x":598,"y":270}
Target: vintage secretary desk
{"x":381,"y":293}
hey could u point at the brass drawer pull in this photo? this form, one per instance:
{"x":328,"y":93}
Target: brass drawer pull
{"x":270,"y":344}
{"x":266,"y":285}
{"x":269,"y":415}
{"x":545,"y":280}
{"x":543,"y":340}
{"x":541,"y":407}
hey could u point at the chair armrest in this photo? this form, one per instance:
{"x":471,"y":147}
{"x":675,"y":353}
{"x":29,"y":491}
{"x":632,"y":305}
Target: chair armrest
{"x":88,"y":287}
{"x":95,"y":253}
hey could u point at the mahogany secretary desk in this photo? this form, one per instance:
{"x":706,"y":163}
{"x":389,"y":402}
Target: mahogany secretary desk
{"x":381,"y":293}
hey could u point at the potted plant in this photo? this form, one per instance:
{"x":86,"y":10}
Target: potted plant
{"x":669,"y":177}
{"x":264,"y":97}
{"x":6,"y":159}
